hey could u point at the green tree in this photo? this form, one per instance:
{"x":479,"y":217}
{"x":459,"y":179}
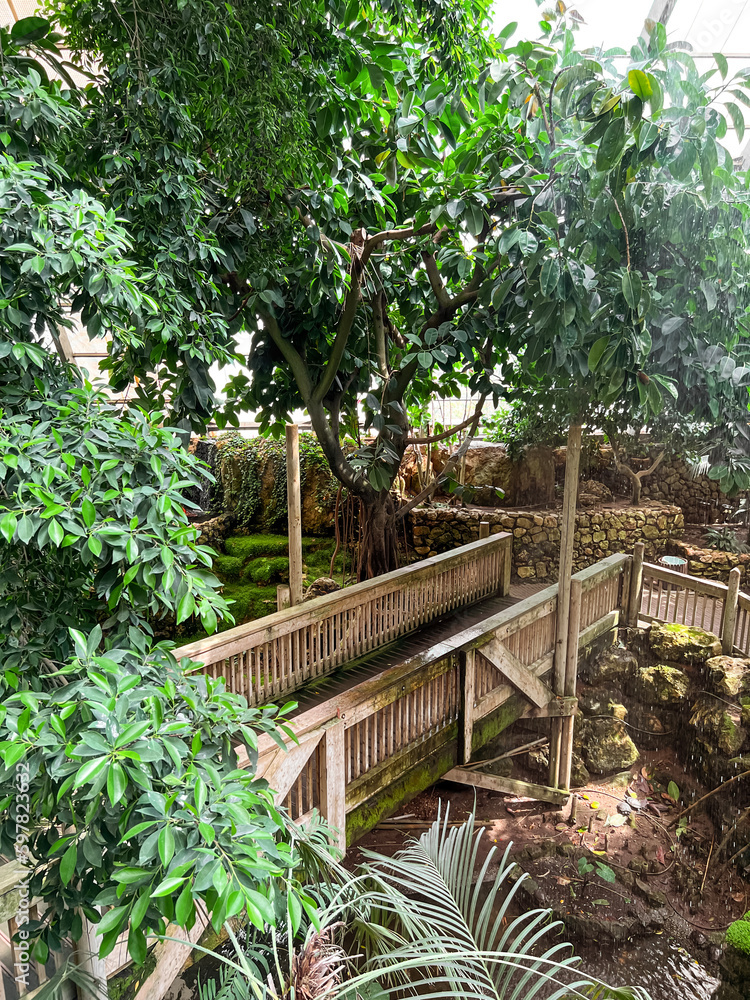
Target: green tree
{"x":462,"y":215}
{"x":119,"y":779}
{"x":634,"y":311}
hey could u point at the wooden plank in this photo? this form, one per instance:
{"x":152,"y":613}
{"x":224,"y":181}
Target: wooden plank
{"x":508,"y":786}
{"x":333,"y":784}
{"x":517,"y":673}
{"x":498,"y":695}
{"x":171,"y":957}
{"x":729,"y":617}
{"x":469,"y":672}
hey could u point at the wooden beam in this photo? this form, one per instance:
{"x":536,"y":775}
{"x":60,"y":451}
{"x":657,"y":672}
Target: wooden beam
{"x":508,"y":786}
{"x":469,"y":672}
{"x":567,"y":534}
{"x":285,"y":768}
{"x":729,"y":617}
{"x":636,"y":584}
{"x":571,"y":680}
{"x":294,"y":507}
{"x":333,"y":781}
{"x":560,"y":708}
{"x":517,"y":673}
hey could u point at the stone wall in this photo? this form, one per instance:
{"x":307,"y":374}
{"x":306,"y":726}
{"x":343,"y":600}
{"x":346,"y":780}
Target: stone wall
{"x":710,"y":563}
{"x":536,"y":534}
{"x":699,"y":497}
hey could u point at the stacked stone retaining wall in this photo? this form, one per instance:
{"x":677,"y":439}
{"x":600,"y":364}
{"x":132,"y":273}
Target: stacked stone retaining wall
{"x":536,"y":534}
{"x":709,"y":563}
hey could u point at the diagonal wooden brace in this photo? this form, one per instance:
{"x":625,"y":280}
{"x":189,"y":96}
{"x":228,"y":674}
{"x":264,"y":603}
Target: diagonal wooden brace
{"x":517,"y":673}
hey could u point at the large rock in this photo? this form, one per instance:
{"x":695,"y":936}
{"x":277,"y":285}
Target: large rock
{"x":489,"y":468}
{"x":320,"y":587}
{"x":607,"y":747}
{"x":729,"y":675}
{"x":683,"y":643}
{"x":719,"y":726}
{"x":662,"y":685}
{"x":538,"y":761}
{"x":615,"y":666}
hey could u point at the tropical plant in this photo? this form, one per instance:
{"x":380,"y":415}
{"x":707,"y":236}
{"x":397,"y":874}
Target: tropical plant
{"x":136,"y":800}
{"x":425,"y":922}
{"x":725,"y":539}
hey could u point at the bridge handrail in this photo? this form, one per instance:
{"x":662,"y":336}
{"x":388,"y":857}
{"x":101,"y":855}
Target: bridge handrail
{"x":672,"y":597}
{"x":272,"y":657}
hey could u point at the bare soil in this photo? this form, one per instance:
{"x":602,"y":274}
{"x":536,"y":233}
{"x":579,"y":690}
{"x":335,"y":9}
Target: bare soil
{"x":674,"y":865}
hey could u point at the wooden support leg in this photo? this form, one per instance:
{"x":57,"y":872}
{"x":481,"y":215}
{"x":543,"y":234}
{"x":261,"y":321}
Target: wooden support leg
{"x":571,"y":681}
{"x":729,"y":618}
{"x":567,"y":532}
{"x":636,"y":585}
{"x":294,"y":506}
{"x":333,"y":782}
{"x":469,"y":664}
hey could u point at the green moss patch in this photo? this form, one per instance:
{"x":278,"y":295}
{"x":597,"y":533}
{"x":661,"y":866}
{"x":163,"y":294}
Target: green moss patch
{"x":255,"y":564}
{"x":246,"y":547}
{"x":738,"y":934}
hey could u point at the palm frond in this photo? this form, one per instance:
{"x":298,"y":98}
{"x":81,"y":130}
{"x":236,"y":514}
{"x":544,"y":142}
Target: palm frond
{"x":70,"y":974}
{"x":443,"y":911}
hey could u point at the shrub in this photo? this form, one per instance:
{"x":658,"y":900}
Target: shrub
{"x":725,"y":540}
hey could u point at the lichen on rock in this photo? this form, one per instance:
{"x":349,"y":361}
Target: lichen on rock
{"x":729,"y":675}
{"x":615,"y":665}
{"x":718,"y":726}
{"x":663,"y":685}
{"x":683,"y":643}
{"x":607,"y":747}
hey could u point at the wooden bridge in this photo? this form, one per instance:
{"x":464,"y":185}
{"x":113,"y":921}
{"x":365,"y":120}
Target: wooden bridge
{"x":401,"y":679}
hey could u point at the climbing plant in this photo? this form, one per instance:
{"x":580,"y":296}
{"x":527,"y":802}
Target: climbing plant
{"x":248,"y":466}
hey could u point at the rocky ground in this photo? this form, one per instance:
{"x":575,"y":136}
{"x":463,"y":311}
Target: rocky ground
{"x":659,"y":725}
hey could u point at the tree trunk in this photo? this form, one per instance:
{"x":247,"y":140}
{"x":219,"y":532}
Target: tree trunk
{"x":636,"y":496}
{"x":378,"y":551}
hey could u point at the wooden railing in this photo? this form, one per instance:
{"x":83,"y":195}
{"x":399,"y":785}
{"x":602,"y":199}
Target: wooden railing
{"x":367,"y":750}
{"x":665,"y":595}
{"x":271,"y":658}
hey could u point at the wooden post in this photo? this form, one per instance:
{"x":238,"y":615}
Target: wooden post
{"x":571,"y":681}
{"x":333,"y":782}
{"x":484,"y":529}
{"x":507,"y":567}
{"x":87,"y":958}
{"x":294,"y":506}
{"x":729,"y":618}
{"x":636,"y":584}
{"x":567,"y":531}
{"x":469,"y":664}
{"x":283,"y":596}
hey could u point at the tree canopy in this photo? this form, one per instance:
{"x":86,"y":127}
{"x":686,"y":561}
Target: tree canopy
{"x":472,"y":216}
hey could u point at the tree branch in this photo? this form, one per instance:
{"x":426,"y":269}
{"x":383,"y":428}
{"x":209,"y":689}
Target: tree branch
{"x":436,"y":282}
{"x":387,"y":235}
{"x":443,"y":435}
{"x":290,"y":354}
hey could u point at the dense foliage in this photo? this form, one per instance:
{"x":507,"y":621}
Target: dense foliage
{"x":119,"y":782}
{"x":135,"y":800}
{"x":462,"y":214}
